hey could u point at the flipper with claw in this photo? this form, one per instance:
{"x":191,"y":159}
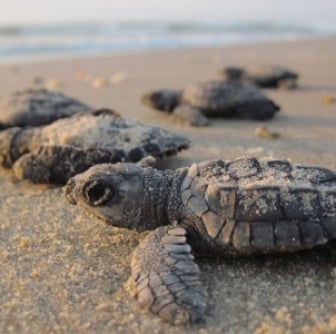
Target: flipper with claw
{"x":57,"y":163}
{"x":190,"y":115}
{"x":166,"y":278}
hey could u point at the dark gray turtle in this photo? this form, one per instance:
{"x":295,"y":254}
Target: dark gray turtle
{"x":55,"y":152}
{"x":213,"y":99}
{"x":263,"y":76}
{"x":219,"y":208}
{"x":34,"y":107}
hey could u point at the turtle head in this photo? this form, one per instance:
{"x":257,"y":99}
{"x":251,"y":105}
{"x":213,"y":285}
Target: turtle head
{"x":110,"y":192}
{"x":164,"y":100}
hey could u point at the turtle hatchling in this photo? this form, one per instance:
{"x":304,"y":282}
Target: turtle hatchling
{"x":263,"y":76}
{"x":213,"y":99}
{"x":214,"y":208}
{"x":34,"y":107}
{"x":55,"y":152}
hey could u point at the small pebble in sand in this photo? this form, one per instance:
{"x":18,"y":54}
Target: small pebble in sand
{"x":54,"y":84}
{"x":117,"y":78}
{"x":81,"y":75}
{"x":99,"y":82}
{"x":263,"y":132}
{"x":328,"y":99}
{"x":24,"y":242}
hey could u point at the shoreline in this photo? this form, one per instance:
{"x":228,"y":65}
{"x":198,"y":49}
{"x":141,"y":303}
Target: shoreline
{"x":64,"y":272}
{"x":40,"y":59}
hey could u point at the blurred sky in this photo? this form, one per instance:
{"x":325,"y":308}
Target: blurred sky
{"x":35,"y":11}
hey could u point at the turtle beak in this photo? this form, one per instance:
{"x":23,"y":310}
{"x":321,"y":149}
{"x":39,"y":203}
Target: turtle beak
{"x":69,"y":190}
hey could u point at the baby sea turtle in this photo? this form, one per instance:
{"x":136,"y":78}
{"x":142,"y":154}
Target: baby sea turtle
{"x":34,"y":107}
{"x":55,"y":152}
{"x":213,"y":99}
{"x":219,"y":208}
{"x":263,"y":76}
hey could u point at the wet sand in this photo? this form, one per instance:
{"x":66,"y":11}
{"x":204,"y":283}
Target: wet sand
{"x":64,"y":272}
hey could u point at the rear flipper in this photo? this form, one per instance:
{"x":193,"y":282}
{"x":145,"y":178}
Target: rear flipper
{"x":259,"y":110}
{"x":166,"y":278}
{"x":287,"y":83}
{"x":164,"y":100}
{"x":192,"y":116}
{"x":56,"y":163}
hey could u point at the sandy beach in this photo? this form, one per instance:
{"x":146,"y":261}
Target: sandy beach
{"x":64,"y":272}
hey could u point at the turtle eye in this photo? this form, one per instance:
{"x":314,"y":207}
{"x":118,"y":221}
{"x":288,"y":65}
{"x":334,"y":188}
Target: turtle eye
{"x":97,"y":193}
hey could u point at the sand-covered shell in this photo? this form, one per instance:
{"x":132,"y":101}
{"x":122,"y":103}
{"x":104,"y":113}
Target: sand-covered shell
{"x":55,"y":152}
{"x":229,"y":99}
{"x":226,"y":99}
{"x":33,"y":107}
{"x":213,"y":208}
{"x":264,"y":76}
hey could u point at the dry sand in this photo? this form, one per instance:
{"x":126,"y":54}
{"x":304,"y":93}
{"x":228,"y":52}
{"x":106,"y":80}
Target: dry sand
{"x":63,"y":272}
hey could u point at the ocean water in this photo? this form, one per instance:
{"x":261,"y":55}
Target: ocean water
{"x":52,"y":40}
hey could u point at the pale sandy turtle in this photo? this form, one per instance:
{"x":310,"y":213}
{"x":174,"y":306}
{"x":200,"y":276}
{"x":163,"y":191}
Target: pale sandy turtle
{"x":198,"y":101}
{"x":55,"y":152}
{"x":32,"y":107}
{"x":214,"y":208}
{"x":263,"y":76}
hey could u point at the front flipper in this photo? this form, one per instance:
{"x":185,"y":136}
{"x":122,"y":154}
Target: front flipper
{"x":166,"y":278}
{"x":57,"y":163}
{"x":6,"y":145}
